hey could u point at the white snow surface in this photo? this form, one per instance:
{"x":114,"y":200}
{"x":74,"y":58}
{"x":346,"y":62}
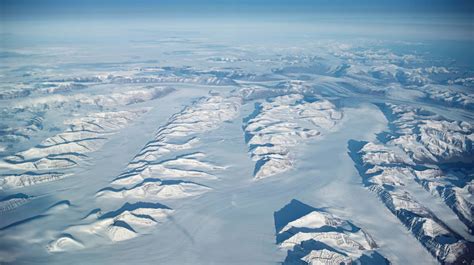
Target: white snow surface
{"x":165,"y":145}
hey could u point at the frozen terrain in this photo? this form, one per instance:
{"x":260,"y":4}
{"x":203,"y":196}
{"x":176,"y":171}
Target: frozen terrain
{"x":316,"y":237}
{"x":163,"y":143}
{"x":419,"y":149}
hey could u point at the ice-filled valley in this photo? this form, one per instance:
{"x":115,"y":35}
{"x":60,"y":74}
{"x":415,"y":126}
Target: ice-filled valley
{"x":235,"y":146}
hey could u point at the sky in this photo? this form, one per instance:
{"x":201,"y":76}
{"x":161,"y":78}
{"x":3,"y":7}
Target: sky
{"x":27,"y":9}
{"x":95,"y":19}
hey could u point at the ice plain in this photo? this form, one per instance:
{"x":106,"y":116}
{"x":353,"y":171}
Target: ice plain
{"x":190,"y":148}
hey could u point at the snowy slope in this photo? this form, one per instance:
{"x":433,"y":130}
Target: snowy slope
{"x":205,"y":147}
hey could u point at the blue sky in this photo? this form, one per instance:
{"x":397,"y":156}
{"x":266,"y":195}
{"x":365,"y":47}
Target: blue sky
{"x":48,"y":8}
{"x":447,"y":19}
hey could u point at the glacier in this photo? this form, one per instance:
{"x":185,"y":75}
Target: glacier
{"x":236,"y":143}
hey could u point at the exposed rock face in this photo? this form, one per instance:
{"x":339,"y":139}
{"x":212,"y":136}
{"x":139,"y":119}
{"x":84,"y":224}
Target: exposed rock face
{"x":66,"y":149}
{"x":153,"y":176}
{"x":421,"y":147}
{"x":313,"y":236}
{"x":282,"y":123}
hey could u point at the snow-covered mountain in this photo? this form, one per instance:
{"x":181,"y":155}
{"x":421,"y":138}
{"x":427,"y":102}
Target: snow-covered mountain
{"x":178,"y":146}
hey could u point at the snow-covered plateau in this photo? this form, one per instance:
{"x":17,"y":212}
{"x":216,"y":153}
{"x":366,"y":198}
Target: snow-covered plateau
{"x":156,"y":144}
